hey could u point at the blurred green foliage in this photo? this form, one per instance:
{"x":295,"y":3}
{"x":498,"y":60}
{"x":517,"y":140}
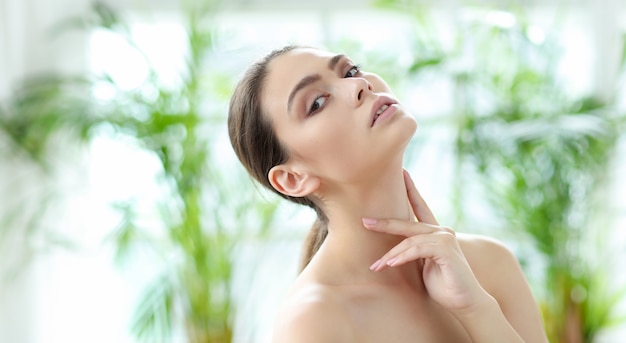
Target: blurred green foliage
{"x":206,"y":209}
{"x":543,"y":155}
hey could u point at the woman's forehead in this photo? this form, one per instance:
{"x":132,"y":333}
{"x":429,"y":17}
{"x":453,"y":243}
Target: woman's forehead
{"x":299,"y":59}
{"x":295,"y":64}
{"x":286,"y":70}
{"x":308,"y":52}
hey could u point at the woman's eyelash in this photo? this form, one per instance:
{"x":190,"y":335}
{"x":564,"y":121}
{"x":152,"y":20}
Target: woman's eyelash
{"x":316,"y":105}
{"x":320,"y":100}
{"x":353,"y":71}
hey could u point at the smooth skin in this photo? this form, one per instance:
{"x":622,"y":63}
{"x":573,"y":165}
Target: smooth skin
{"x":387,"y":271}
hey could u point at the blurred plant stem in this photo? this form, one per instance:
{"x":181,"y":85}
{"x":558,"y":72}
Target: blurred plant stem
{"x":206,"y":210}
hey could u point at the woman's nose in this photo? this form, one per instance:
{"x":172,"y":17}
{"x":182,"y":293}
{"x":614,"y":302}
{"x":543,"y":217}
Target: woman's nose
{"x":358,"y":92}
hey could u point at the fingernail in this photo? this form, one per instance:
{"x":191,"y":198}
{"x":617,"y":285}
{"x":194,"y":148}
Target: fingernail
{"x":369,"y":221}
{"x":375,"y":265}
{"x":391,"y":262}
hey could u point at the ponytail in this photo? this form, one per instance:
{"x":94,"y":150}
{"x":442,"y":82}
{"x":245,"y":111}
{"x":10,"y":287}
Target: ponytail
{"x":257,"y":146}
{"x":314,"y":239}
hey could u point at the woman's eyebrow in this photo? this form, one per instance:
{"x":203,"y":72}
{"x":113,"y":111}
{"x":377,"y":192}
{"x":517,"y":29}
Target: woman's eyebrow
{"x":333,"y":61}
{"x":306,"y":81}
{"x":310,"y":79}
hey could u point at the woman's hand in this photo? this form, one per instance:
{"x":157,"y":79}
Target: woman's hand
{"x":447,"y":275}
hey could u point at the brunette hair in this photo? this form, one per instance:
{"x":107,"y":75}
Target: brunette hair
{"x":257,"y":147}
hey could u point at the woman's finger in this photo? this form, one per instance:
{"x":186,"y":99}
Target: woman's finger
{"x":420,"y":208}
{"x":400,"y":227}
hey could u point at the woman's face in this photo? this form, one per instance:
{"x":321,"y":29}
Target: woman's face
{"x":335,"y":120}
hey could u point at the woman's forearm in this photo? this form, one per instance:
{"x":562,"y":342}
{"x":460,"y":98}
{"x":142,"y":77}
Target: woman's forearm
{"x":487,"y":323}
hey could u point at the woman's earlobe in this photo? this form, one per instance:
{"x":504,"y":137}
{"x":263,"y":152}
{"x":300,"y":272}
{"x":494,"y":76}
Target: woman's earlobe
{"x":292,"y":183}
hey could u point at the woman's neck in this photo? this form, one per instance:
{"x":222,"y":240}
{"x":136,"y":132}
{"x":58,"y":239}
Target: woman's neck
{"x":350,"y":248}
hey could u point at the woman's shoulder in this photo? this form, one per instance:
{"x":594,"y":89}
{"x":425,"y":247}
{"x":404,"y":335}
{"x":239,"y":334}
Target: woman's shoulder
{"x":482,"y":247}
{"x":311,"y":312}
{"x":496,"y":268}
{"x":491,"y":261}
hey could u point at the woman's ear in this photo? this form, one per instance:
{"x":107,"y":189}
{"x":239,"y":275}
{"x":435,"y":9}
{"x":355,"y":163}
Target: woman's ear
{"x":289,"y":182}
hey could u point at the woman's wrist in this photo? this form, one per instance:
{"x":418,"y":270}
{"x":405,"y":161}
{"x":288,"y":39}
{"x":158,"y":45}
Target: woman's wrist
{"x":485,"y":322}
{"x":484,"y":303}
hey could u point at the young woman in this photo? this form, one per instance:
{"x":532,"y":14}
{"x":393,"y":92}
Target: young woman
{"x":315,"y":128}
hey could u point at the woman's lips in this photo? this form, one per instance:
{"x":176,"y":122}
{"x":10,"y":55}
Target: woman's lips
{"x":387,"y":112}
{"x":381,"y":106}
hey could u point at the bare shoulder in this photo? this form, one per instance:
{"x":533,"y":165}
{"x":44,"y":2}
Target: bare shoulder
{"x":312,"y":314}
{"x":499,"y":272}
{"x":485,"y":253}
{"x":494,"y":265}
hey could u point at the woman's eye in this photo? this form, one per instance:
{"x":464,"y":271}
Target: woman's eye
{"x":352,"y":72}
{"x":317,"y":104}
